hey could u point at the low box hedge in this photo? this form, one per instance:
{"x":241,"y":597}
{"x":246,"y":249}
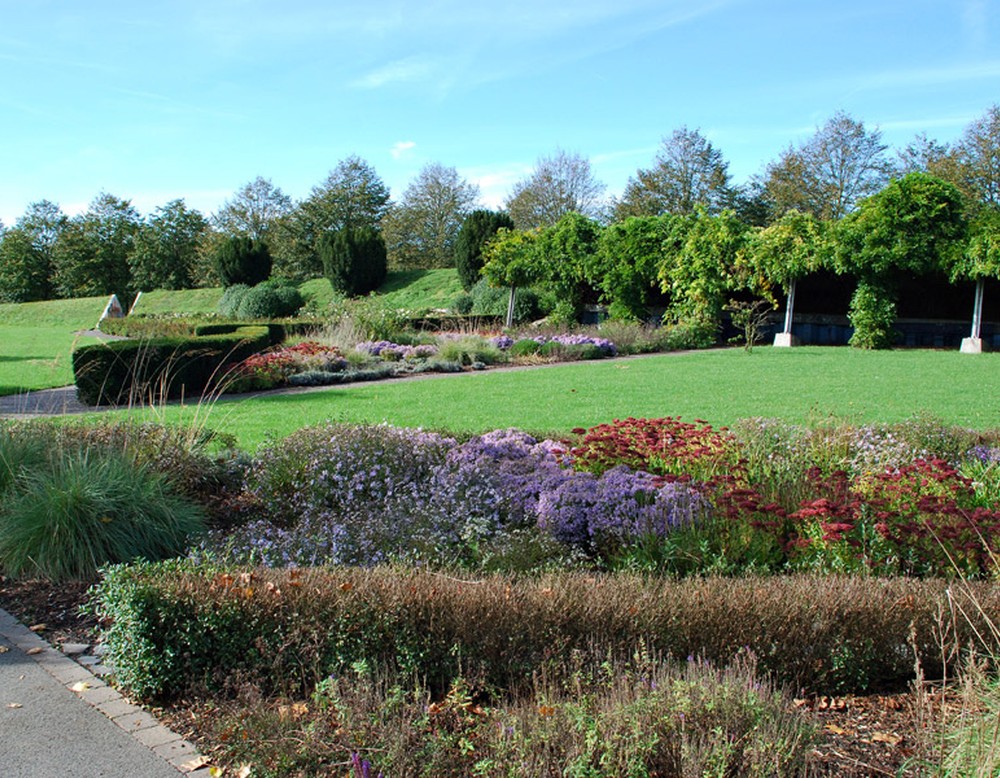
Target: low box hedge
{"x":176,"y":628}
{"x":126,"y":371}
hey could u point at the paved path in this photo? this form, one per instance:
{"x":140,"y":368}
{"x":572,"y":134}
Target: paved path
{"x":58,"y":719}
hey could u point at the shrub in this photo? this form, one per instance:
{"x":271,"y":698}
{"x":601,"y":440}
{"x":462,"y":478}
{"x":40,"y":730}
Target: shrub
{"x":872,"y":314}
{"x":462,"y":304}
{"x":525,"y":347}
{"x":229,"y":303}
{"x":269,"y":301}
{"x":492,"y":301}
{"x":128,"y":371}
{"x":86,"y":510}
{"x":354,"y":260}
{"x":242,"y":260}
{"x":175,"y":629}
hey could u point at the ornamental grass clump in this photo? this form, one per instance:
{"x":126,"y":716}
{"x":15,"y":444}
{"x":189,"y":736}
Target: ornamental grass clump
{"x":82,"y":510}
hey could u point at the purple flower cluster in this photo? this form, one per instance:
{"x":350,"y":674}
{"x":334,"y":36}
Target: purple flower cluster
{"x":502,"y":342}
{"x":987,"y":455}
{"x":369,"y":494}
{"x":603,"y":344}
{"x":395,"y":351}
{"x":616,"y":507}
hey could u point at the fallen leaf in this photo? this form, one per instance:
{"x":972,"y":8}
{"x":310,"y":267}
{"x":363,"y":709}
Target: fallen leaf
{"x":14,"y":705}
{"x":196,"y":764}
{"x":801,"y":702}
{"x":33,"y":651}
{"x":833,"y":728}
{"x":887,"y":737}
{"x":80,"y":686}
{"x":38,"y":627}
{"x":244,"y":771}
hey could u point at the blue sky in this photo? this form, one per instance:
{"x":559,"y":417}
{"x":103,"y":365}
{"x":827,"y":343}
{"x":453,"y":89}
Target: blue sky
{"x":155,"y":100}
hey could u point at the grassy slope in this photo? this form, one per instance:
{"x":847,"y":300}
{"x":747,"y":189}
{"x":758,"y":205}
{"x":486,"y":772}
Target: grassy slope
{"x":802,"y":384}
{"x":410,"y":289}
{"x":37,"y":339}
{"x":185,"y":301}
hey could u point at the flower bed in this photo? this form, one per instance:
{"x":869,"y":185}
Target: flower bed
{"x":657,"y":494}
{"x":310,"y":363}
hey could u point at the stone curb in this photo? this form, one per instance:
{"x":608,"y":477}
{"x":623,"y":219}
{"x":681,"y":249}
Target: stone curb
{"x":143,"y":727}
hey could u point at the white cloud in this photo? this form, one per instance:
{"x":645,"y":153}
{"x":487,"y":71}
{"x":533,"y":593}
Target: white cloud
{"x":402,"y":71}
{"x":402,"y":148}
{"x":495,"y":182}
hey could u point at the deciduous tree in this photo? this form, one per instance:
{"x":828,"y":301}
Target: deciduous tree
{"x":253,"y":210}
{"x":90,"y":256}
{"x":24,"y":270}
{"x":421,"y":229}
{"x":842,"y":163}
{"x":166,"y":248}
{"x":560,"y":184}
{"x":688,"y":172}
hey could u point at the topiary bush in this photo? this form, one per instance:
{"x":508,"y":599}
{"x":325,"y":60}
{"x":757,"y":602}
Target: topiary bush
{"x":354,"y":260}
{"x":144,"y":371}
{"x":242,"y":260}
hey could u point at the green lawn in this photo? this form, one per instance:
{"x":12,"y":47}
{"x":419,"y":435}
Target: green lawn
{"x":185,"y":301}
{"x":800,"y":385}
{"x":409,"y":289}
{"x":37,"y":339}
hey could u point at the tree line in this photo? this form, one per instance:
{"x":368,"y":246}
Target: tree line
{"x":680,"y":222}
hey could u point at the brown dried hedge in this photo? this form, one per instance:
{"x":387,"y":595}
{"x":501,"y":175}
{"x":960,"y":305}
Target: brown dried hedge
{"x":173,"y":628}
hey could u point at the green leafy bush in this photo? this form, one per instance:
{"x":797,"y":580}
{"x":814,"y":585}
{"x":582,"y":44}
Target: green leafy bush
{"x":872,"y":314}
{"x":525,"y":347}
{"x":84,"y":510}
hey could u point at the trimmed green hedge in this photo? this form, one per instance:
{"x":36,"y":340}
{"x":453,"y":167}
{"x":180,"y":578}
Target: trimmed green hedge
{"x":176,"y":629}
{"x":125,"y":371}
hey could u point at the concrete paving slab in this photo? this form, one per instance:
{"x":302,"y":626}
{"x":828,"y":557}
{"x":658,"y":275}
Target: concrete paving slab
{"x":48,"y":729}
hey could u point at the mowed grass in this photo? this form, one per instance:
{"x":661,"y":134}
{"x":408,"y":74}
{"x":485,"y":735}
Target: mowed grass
{"x":37,"y":341}
{"x":803,"y":385}
{"x":408,"y":289}
{"x":184,"y":301}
